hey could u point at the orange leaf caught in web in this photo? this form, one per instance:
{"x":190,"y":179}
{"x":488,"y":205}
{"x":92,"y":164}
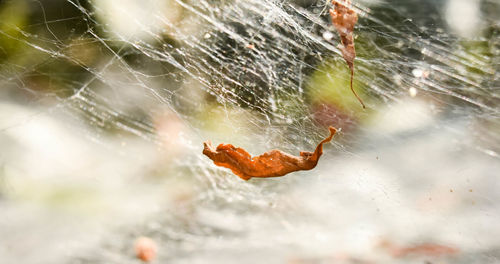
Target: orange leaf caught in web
{"x":274,"y":163}
{"x":344,"y":18}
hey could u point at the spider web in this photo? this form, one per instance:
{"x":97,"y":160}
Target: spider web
{"x":135,"y":87}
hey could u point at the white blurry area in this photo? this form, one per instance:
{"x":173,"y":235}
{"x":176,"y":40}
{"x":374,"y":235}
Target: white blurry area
{"x":138,"y":20}
{"x":463,"y":17}
{"x":60,"y":190}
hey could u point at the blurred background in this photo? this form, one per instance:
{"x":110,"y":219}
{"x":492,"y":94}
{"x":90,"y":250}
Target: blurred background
{"x":104,"y":106}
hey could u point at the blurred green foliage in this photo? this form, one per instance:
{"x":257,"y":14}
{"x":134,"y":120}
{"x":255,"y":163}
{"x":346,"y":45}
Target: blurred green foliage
{"x":14,"y":18}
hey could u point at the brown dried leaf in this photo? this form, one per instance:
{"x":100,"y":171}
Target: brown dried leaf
{"x":344,"y":18}
{"x":274,"y":163}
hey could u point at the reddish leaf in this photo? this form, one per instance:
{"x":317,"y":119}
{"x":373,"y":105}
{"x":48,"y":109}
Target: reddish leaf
{"x":274,"y":163}
{"x":344,"y":18}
